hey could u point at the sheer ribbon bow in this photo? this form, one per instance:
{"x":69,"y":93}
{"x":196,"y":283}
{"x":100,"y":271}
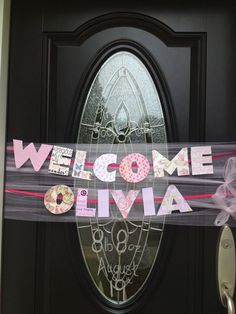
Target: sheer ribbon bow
{"x":225,"y":195}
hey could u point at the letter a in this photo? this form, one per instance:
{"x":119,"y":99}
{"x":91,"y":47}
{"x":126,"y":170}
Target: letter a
{"x":173,"y":195}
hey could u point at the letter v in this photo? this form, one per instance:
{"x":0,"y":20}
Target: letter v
{"x":37,"y":158}
{"x":124,"y":203}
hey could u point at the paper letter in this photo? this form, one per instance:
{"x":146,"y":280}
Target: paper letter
{"x":168,"y":206}
{"x":81,"y":204}
{"x":180,"y":161}
{"x":50,"y":199}
{"x":148,"y":202}
{"x":124,"y":203}
{"x":37,"y":158}
{"x":100,"y":167}
{"x":199,"y":161}
{"x":78,"y":168}
{"x":142,"y":164}
{"x":57,"y":160}
{"x":103,"y":203}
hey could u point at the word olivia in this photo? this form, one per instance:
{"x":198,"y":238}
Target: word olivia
{"x":60,"y":199}
{"x":61,"y":159}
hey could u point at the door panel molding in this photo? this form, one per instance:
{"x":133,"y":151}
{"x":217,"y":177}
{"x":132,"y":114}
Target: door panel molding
{"x":196,"y":41}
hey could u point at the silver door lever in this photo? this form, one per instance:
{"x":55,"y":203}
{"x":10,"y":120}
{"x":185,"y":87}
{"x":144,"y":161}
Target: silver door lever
{"x":226,"y":268}
{"x":229,"y":303}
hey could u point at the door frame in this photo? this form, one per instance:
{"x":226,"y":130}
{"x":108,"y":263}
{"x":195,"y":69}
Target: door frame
{"x":5,"y":8}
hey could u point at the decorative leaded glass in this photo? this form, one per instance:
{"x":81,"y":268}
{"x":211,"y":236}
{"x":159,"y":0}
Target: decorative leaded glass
{"x":122,"y":108}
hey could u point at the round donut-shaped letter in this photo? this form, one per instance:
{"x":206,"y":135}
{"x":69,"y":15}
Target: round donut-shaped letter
{"x":126,"y":164}
{"x":64,"y":204}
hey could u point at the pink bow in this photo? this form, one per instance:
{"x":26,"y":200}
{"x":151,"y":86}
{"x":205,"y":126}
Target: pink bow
{"x":225,"y":195}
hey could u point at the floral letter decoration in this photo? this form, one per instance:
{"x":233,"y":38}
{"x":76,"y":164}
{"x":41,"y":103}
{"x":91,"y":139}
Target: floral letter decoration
{"x":51,"y":199}
{"x":58,"y":159}
{"x":142,"y":164}
{"x":179,"y":162}
{"x":100,"y":167}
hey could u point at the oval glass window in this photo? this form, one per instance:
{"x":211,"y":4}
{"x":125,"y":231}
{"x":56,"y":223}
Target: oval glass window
{"x":122,"y":108}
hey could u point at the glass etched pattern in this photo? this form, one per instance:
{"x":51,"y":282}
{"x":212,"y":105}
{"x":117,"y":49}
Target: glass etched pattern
{"x":122,"y":108}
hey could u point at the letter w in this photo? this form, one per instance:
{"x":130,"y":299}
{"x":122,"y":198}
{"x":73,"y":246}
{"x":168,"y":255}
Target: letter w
{"x":37,"y":158}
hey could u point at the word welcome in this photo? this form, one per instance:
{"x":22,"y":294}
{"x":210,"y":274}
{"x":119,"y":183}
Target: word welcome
{"x":61,"y":157}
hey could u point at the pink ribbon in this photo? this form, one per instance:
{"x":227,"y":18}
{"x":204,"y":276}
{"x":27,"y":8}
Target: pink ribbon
{"x":225,"y":195}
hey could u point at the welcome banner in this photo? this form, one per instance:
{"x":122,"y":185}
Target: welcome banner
{"x":183,"y":183}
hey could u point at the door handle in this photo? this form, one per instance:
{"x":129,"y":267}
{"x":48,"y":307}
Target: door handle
{"x":226,"y":268}
{"x":229,"y":303}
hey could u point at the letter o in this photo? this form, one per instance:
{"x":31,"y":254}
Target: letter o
{"x":50,"y":199}
{"x":126,"y":171}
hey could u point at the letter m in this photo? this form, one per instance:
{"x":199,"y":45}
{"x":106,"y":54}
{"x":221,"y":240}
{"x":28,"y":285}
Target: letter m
{"x":179,"y":162}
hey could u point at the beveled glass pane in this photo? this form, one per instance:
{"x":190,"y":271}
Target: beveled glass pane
{"x":122,"y":108}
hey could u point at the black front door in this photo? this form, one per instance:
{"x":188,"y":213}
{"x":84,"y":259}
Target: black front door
{"x":186,"y":53}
